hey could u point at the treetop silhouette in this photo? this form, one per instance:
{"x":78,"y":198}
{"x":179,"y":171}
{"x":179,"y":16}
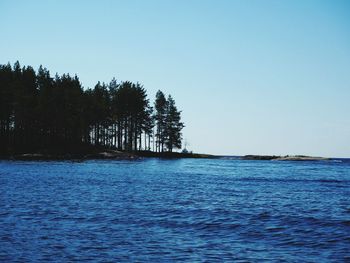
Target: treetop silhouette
{"x":40,"y":113}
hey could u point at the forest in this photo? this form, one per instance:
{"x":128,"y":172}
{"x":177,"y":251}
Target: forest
{"x":55,"y":114}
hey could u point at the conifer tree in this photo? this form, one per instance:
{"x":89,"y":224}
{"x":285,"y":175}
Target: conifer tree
{"x":173,"y":126}
{"x":160,"y":111}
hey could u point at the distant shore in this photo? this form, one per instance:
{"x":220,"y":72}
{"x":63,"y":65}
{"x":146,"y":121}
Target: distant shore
{"x":106,"y":154}
{"x":284,"y":158}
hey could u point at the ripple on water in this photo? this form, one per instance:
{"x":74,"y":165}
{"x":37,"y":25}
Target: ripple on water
{"x":174,"y":210}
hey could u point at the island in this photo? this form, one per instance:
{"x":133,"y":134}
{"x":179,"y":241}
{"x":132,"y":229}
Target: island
{"x":284,"y":158}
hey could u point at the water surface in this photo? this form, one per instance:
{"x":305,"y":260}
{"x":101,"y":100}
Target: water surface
{"x":190,"y":210}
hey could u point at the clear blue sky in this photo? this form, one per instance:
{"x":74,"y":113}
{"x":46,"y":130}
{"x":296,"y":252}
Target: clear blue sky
{"x":251,"y":77}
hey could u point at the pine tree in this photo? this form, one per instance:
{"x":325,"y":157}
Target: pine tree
{"x":173,"y":126}
{"x":160,"y":107}
{"x":6,"y":107}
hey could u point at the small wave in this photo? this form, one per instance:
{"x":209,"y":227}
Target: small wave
{"x":329,"y":181}
{"x":94,"y":248}
{"x":346,"y":222}
{"x":263,"y":215}
{"x":284,"y":180}
{"x":218,"y":226}
{"x":59,"y":246}
{"x":274,"y":229}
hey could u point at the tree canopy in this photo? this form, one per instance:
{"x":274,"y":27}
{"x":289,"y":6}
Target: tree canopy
{"x":41,"y":113}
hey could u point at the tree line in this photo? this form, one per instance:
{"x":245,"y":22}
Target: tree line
{"x":41,"y":113}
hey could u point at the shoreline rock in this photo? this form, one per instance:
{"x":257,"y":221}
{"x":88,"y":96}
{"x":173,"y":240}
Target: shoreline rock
{"x":284,"y":158}
{"x":301,"y":158}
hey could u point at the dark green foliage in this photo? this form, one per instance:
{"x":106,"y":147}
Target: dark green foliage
{"x":160,"y":107}
{"x":40,"y":113}
{"x":173,"y":126}
{"x":169,"y":125}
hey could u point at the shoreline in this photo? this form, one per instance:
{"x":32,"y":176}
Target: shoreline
{"x":284,"y":158}
{"x":107,"y":154}
{"x":103,"y":155}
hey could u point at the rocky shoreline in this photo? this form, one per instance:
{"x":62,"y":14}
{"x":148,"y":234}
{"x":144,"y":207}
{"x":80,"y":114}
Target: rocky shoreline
{"x":104,"y":154}
{"x":284,"y":158}
{"x":120,"y":155}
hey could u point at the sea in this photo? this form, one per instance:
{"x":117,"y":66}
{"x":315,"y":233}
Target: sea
{"x":175,"y":210}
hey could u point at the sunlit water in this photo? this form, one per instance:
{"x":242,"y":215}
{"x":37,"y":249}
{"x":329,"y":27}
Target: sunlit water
{"x":190,"y":210}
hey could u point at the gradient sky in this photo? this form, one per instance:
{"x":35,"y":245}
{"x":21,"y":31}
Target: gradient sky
{"x":251,"y":77}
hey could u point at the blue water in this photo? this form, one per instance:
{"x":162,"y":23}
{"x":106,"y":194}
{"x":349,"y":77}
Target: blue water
{"x":189,"y":210}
